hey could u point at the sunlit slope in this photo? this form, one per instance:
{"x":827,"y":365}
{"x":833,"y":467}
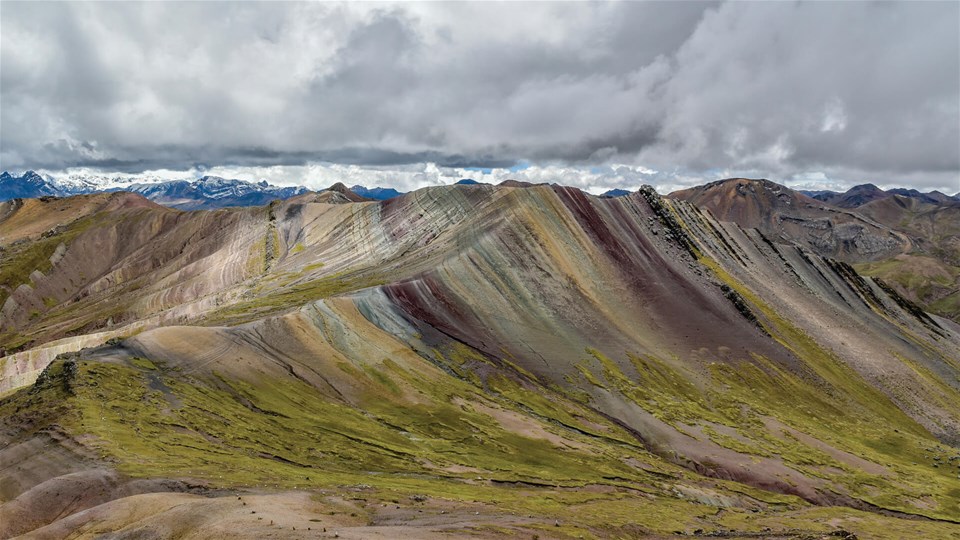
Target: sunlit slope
{"x":251,"y":408}
{"x":631,"y":347}
{"x":108,"y":268}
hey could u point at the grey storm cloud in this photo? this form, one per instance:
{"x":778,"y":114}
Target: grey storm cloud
{"x":856,"y":90}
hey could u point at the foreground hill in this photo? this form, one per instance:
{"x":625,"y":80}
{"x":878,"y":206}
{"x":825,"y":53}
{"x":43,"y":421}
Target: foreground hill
{"x":461,"y":360}
{"x":376,"y":193}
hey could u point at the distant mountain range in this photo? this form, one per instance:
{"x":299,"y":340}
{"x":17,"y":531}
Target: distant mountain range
{"x":530,"y":358}
{"x":909,"y":239}
{"x":216,"y":192}
{"x":376,"y":193}
{"x":860,"y":195}
{"x":382,"y":194}
{"x":213,"y":192}
{"x":205,"y":192}
{"x":783,"y":214}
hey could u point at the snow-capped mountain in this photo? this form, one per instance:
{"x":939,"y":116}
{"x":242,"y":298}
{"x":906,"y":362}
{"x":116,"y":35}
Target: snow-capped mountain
{"x":206,"y":192}
{"x":28,"y":185}
{"x":213,"y":192}
{"x":89,"y":183}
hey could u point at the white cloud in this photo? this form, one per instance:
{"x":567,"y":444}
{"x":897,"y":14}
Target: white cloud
{"x":861,"y":91}
{"x":834,"y":116}
{"x":593,"y":179}
{"x":319,"y":176}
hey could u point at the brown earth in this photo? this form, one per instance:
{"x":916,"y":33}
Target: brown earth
{"x":607,"y":353}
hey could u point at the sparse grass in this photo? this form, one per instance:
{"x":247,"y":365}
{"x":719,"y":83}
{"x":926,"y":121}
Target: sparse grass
{"x":948,"y":306}
{"x":283,"y":433}
{"x":19,"y":261}
{"x":143,"y":363}
{"x":22,"y":259}
{"x":311,"y":267}
{"x":409,"y":428}
{"x":589,"y":376}
{"x":257,"y":258}
{"x":929,"y":281}
{"x":289,"y":297}
{"x":846,"y":413}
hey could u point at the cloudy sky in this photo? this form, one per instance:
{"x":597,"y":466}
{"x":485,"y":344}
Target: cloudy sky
{"x":597,"y":95}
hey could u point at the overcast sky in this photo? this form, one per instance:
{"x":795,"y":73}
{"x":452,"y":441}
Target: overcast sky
{"x":596,"y":95}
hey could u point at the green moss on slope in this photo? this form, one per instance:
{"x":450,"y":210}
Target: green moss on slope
{"x":411,"y":433}
{"x":21,"y":259}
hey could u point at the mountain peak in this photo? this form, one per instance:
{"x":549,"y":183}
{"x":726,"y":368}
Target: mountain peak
{"x":518,"y":183}
{"x":343,"y":190}
{"x":28,"y":186}
{"x":215,"y":180}
{"x":744,"y":187}
{"x":854,"y":197}
{"x":934,"y":197}
{"x":376,"y":193}
{"x":615,"y":193}
{"x":32,"y":176}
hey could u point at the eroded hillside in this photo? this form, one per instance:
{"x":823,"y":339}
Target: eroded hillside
{"x":930,"y":273}
{"x":464,"y":359}
{"x":908,"y":239}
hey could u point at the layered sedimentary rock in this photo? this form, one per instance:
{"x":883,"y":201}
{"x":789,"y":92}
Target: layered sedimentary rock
{"x":787,"y":215}
{"x":528,"y":335}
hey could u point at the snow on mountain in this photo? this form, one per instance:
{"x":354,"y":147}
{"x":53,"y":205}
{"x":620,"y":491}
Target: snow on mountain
{"x":85,"y":182}
{"x":213,"y":192}
{"x":27,"y":185}
{"x":206,"y":192}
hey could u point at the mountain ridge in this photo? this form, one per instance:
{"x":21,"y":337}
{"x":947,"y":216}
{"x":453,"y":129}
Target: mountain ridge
{"x":912,"y":241}
{"x":562,"y":347}
{"x":865,"y":193}
{"x":376,"y":193}
{"x":204,"y":192}
{"x":788,"y":215}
